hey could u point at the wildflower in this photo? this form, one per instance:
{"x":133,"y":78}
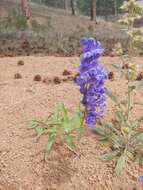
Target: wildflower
{"x":141,"y":178}
{"x":91,"y":80}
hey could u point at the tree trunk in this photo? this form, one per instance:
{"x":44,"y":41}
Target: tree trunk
{"x":115,"y":11}
{"x":73,"y":7}
{"x":66,"y":5}
{"x":25,"y":8}
{"x":93,"y":10}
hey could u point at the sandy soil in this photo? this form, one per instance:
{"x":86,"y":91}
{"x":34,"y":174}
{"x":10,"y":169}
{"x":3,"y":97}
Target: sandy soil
{"x":21,"y":156}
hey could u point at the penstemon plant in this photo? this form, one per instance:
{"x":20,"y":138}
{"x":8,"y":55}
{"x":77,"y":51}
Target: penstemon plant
{"x":125,"y":135}
{"x":60,"y":125}
{"x":91,"y":81}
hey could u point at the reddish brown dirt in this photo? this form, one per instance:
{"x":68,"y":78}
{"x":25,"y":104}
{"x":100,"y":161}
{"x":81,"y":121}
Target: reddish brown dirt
{"x":21,"y":156}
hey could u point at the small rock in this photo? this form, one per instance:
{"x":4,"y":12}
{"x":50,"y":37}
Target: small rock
{"x":37,"y":78}
{"x":21,"y":62}
{"x":57,"y":80}
{"x":17,"y":76}
{"x":66,"y":72}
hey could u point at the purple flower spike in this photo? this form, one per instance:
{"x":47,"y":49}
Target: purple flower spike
{"x":91,"y":80}
{"x":141,"y":178}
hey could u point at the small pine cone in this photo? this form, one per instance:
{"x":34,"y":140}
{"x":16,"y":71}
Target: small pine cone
{"x":21,"y":62}
{"x":17,"y":76}
{"x":111,"y":76}
{"x":57,"y":80}
{"x":66,"y":72}
{"x":37,"y":78}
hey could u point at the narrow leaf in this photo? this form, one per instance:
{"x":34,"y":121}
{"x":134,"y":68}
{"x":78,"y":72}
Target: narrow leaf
{"x":120,"y":163}
{"x":117,"y":67}
{"x":50,"y":144}
{"x":70,"y":141}
{"x":111,"y":96}
{"x":140,"y":120}
{"x":99,"y":131}
{"x":109,"y":156}
{"x":39,"y":131}
{"x":139,"y":86}
{"x":33,"y":124}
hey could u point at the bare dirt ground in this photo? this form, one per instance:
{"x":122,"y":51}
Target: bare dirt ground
{"x":21,"y":156}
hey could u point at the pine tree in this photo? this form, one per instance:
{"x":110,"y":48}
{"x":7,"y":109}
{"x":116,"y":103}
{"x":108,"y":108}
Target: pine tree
{"x":66,"y":5}
{"x":25,"y":8}
{"x":93,"y":10}
{"x":74,"y":7}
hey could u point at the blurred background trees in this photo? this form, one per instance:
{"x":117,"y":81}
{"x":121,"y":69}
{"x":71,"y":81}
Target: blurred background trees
{"x":86,"y":7}
{"x":60,"y":24}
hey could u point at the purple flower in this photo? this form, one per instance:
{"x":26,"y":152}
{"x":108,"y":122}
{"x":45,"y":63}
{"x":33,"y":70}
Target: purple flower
{"x":91,"y":80}
{"x":141,"y":178}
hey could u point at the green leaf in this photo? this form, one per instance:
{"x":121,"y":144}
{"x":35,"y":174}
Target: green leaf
{"x":51,"y":141}
{"x":140,"y":158}
{"x":116,"y":66}
{"x":122,"y":120}
{"x":120,"y":163}
{"x":109,"y":156}
{"x":55,"y":117}
{"x":137,"y":123}
{"x":117,"y":141}
{"x":65,"y":111}
{"x":39,"y":131}
{"x":67,"y":126}
{"x":79,"y":132}
{"x":77,"y":122}
{"x":139,"y":86}
{"x":120,"y":116}
{"x":51,"y":130}
{"x":111,"y":96}
{"x":140,"y":137}
{"x":112,"y":128}
{"x":99,"y":131}
{"x":70,"y":141}
{"x":130,"y":155}
{"x":131,"y":88}
{"x":33,"y":124}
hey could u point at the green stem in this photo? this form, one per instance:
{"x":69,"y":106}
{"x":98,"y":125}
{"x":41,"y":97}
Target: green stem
{"x":129,"y":102}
